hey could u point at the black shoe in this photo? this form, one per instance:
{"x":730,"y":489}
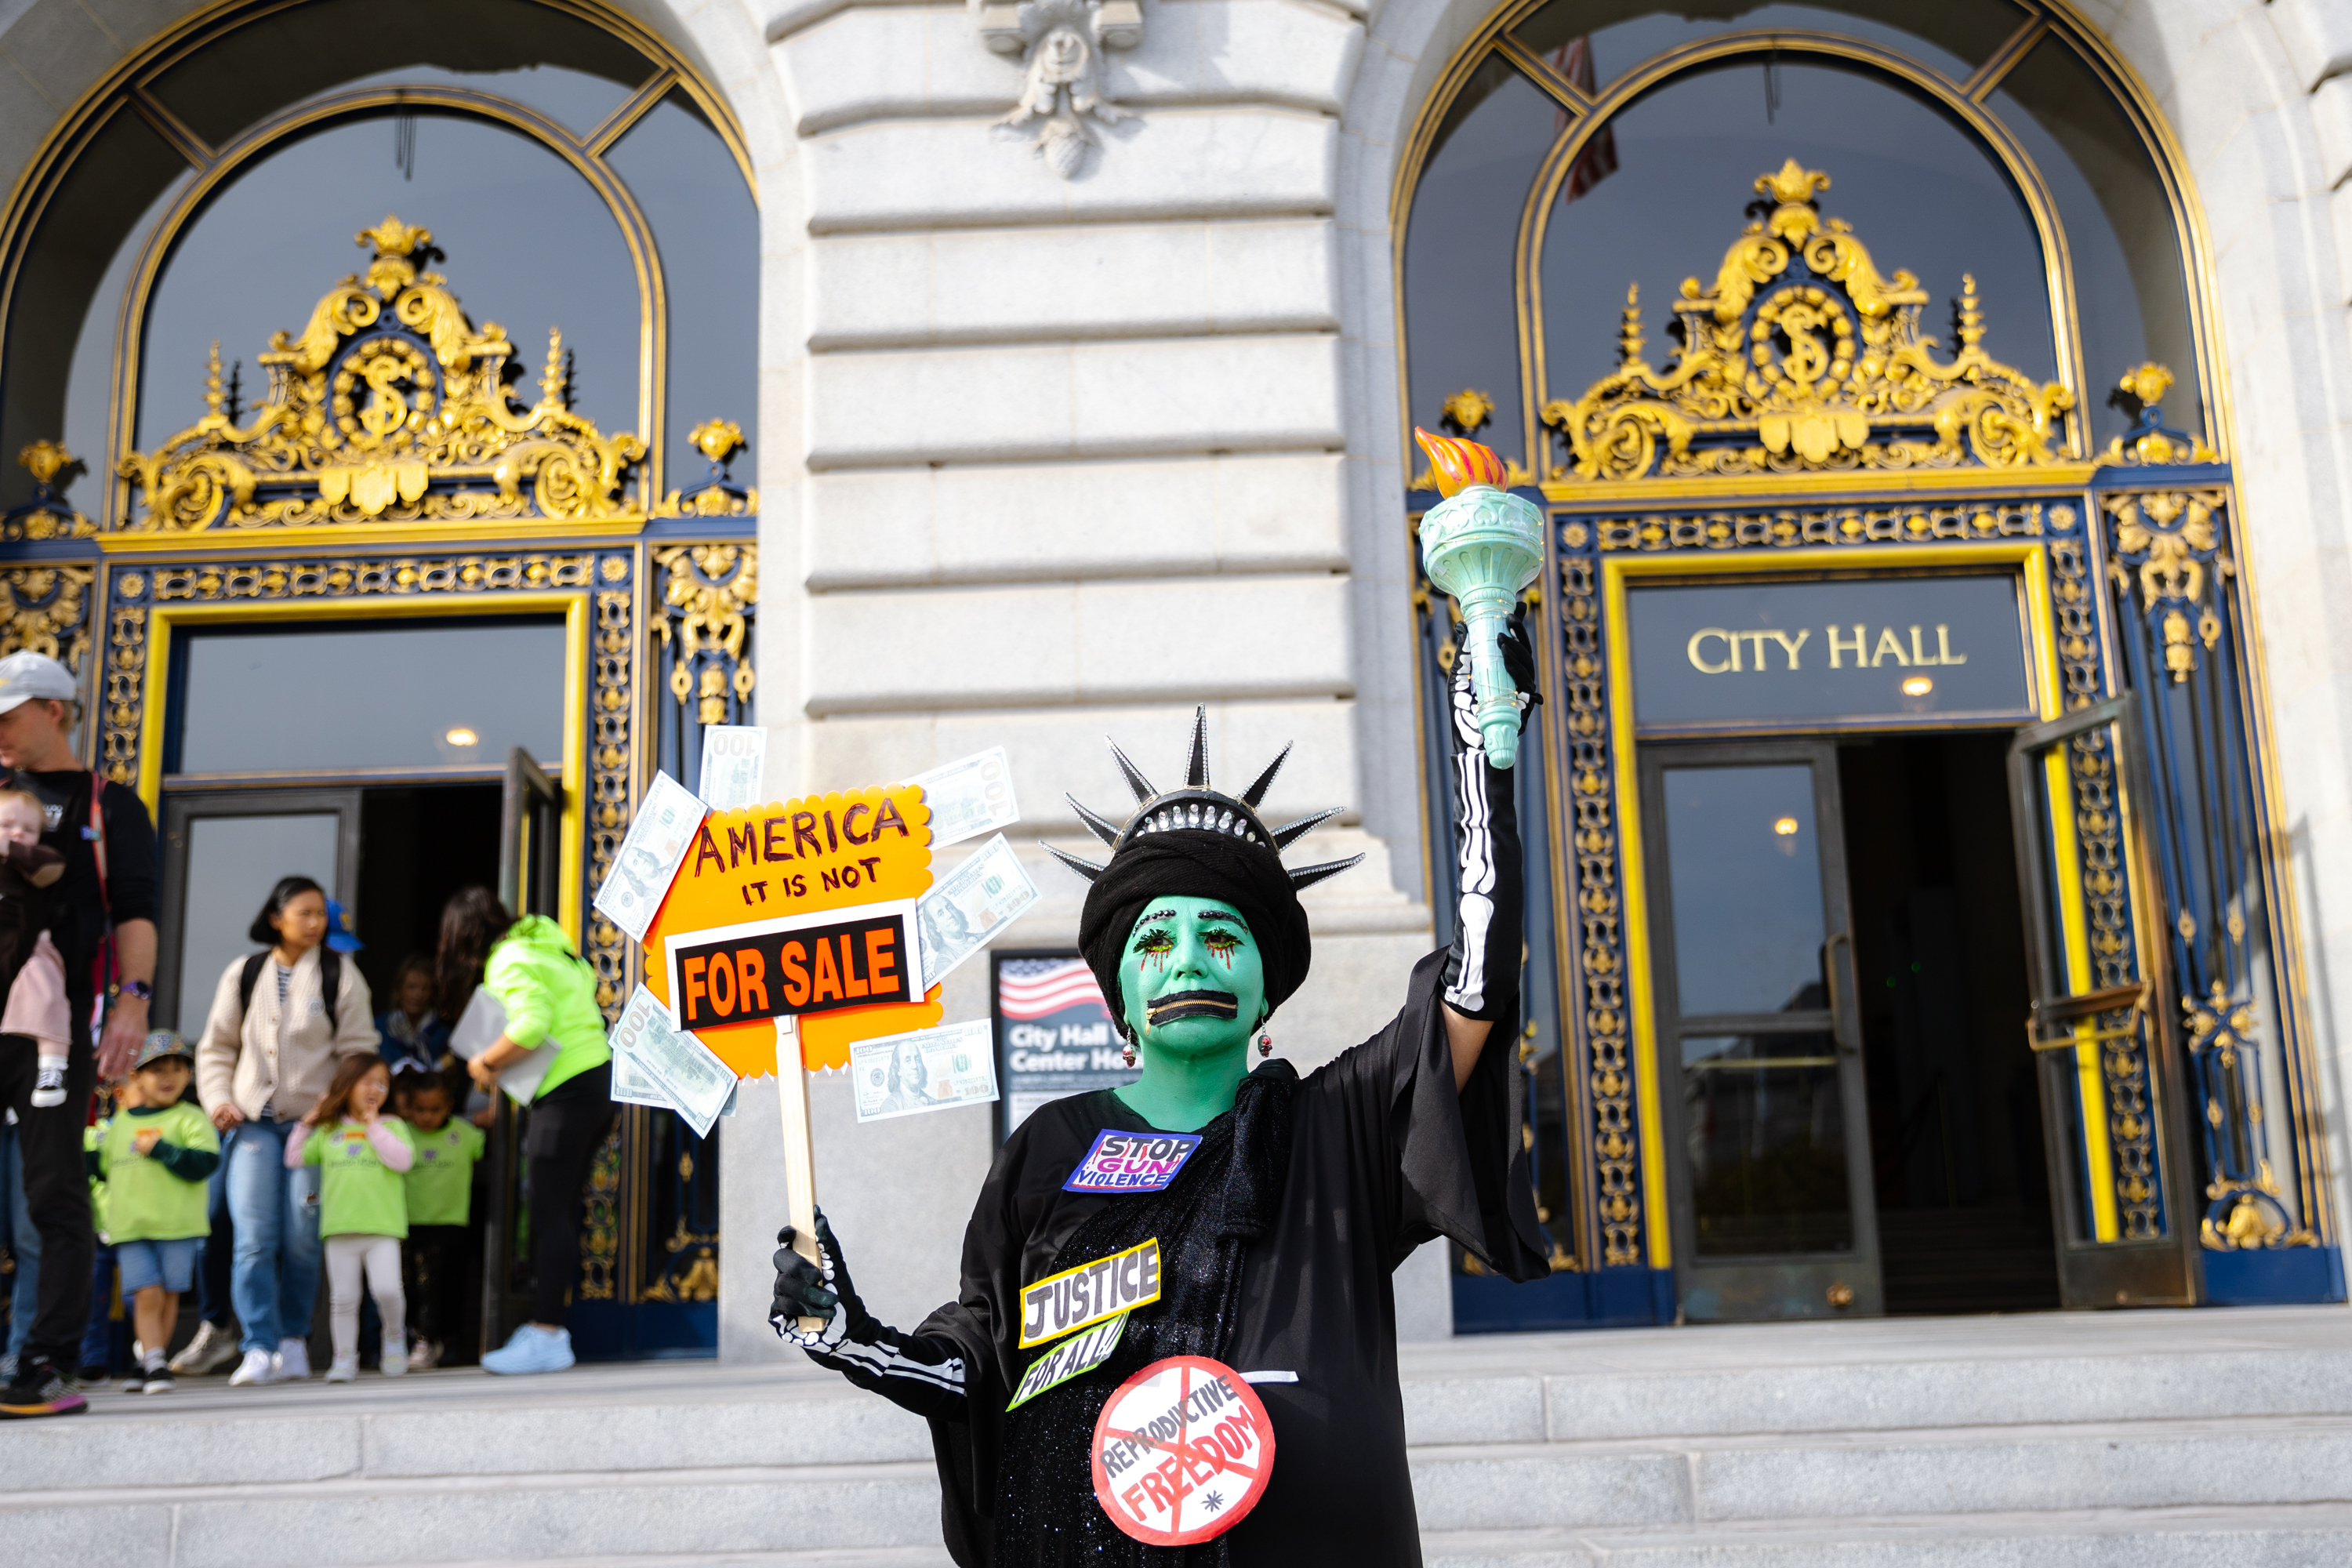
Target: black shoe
{"x":40,"y":1389}
{"x":91,"y":1375}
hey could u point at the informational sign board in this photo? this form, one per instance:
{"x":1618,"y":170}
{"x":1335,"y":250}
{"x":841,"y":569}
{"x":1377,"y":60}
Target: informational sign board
{"x":1054,"y":1034}
{"x":1732,"y":656}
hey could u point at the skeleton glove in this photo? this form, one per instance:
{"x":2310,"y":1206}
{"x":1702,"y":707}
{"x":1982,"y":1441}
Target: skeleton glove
{"x":1482,"y":968}
{"x":921,"y":1372}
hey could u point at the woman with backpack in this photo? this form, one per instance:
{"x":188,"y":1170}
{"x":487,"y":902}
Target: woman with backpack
{"x":549,"y":995}
{"x":279,"y":1019}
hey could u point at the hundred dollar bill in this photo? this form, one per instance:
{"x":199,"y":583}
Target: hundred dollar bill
{"x":965,"y":911}
{"x":632,"y":1084}
{"x":970,"y":797}
{"x":930,"y":1070}
{"x":697,"y":1084}
{"x":657,"y":841}
{"x":734,"y":756}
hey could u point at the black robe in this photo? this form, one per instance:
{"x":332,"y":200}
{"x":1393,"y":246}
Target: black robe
{"x":1383,"y":1156}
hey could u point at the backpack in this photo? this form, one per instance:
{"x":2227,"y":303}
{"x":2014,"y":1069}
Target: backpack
{"x":330,"y":975}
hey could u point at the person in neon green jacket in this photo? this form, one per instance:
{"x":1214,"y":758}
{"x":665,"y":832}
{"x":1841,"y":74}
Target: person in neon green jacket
{"x":549,"y":993}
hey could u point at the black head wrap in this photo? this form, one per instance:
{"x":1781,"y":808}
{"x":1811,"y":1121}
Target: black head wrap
{"x":1196,"y":863}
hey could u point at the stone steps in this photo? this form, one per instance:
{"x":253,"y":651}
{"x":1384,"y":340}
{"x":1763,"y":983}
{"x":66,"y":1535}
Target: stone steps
{"x":2152,"y":1438}
{"x":2254,"y":1537}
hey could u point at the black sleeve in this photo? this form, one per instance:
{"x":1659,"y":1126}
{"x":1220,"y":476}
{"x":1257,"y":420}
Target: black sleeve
{"x":130,"y":878}
{"x":1459,"y":1165}
{"x":188,"y":1164}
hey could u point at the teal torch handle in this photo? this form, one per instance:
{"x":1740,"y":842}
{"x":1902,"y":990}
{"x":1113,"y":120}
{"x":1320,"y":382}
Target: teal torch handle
{"x":1495,"y":705}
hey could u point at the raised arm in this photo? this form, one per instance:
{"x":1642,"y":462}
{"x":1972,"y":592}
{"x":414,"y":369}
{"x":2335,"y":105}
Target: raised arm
{"x":1482,"y":968}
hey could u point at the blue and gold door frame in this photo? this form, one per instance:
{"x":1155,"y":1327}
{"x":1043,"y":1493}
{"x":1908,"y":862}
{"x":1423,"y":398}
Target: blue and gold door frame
{"x":395,"y":470}
{"x":1806,"y":439}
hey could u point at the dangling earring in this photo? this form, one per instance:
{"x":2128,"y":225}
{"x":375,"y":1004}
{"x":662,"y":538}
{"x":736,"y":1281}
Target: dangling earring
{"x":1264,"y":1042}
{"x":1128,"y":1050}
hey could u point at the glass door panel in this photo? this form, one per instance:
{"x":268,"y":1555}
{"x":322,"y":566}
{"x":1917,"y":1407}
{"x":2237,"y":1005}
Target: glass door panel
{"x":2111,"y":1093}
{"x":1753,"y":963}
{"x":222,"y":851}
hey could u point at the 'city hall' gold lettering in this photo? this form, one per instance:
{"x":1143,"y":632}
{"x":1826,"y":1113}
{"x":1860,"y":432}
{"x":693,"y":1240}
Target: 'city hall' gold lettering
{"x":1717,"y":650}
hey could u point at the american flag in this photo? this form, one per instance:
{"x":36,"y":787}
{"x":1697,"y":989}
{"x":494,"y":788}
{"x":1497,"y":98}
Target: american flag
{"x":1035,"y":988}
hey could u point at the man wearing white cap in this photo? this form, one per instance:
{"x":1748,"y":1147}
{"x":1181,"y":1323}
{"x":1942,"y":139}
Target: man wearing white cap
{"x":107,"y":889}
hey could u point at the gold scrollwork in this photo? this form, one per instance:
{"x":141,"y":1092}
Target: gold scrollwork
{"x":2122,"y":1047}
{"x":2078,"y":617}
{"x":390,"y":405}
{"x":222,"y":582}
{"x":710,"y":589}
{"x":692,"y":1272}
{"x":612,"y":752}
{"x":2169,"y":545}
{"x":1600,"y":916}
{"x":1781,"y":374}
{"x":48,"y":611}
{"x":600,"y":1223}
{"x":1832,"y":525}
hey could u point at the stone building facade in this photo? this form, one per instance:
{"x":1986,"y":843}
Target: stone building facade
{"x":1082,"y":396}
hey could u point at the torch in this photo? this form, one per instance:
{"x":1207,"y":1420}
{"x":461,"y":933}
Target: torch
{"x":1483,"y":545}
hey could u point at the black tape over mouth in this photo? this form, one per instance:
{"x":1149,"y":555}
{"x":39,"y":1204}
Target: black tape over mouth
{"x":1191,"y":1005}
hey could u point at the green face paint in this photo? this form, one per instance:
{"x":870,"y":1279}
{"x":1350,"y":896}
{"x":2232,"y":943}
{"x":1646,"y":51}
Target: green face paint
{"x":1193,"y":990}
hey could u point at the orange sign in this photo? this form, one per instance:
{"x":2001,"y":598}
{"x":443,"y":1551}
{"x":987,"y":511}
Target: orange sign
{"x":795,"y":857}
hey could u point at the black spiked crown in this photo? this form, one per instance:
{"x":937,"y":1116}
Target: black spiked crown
{"x":1198,"y":808}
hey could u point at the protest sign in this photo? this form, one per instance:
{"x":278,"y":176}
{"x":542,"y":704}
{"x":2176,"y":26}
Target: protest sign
{"x":780,"y":863}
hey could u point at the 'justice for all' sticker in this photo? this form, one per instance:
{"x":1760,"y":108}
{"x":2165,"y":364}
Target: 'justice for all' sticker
{"x":1131,"y":1162}
{"x":1181,"y":1451}
{"x":1082,"y":1296}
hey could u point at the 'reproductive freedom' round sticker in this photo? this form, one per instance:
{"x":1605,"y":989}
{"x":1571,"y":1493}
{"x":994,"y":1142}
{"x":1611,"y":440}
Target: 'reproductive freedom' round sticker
{"x":1181,"y":1451}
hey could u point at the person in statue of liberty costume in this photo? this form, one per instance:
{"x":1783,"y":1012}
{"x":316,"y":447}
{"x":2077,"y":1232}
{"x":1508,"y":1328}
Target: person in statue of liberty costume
{"x":1278,"y":1234}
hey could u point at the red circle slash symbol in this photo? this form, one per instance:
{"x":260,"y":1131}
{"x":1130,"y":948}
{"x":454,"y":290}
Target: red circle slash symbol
{"x":1183,"y":1451}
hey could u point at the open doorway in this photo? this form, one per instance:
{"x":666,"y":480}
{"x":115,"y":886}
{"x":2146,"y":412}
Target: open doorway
{"x":417,"y":846}
{"x":1939,"y":946}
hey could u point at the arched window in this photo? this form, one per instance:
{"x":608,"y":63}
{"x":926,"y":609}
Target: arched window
{"x":402,"y":356}
{"x":573,"y":173}
{"x":1575,"y":150}
{"x":1804,"y":326}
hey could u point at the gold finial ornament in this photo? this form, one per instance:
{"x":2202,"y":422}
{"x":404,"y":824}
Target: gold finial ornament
{"x":2149,"y":383}
{"x":717,"y":439}
{"x":395,"y":239}
{"x":43,"y":460}
{"x":1467,"y":409}
{"x":2150,"y":441}
{"x":1803,"y":355}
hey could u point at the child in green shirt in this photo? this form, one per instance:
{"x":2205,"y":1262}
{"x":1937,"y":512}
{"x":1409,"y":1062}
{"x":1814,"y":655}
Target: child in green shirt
{"x":440,"y":1195}
{"x":362,"y":1208}
{"x":154,"y":1157}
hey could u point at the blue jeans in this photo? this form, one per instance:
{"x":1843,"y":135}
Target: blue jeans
{"x":24,"y":1243}
{"x":145,"y":1263}
{"x":274,"y":1280}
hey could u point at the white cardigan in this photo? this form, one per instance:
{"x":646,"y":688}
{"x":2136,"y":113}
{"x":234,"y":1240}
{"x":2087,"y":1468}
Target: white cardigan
{"x":253,"y":1061}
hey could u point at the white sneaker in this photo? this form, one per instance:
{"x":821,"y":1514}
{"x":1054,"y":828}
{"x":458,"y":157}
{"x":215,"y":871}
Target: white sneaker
{"x":344,"y":1369}
{"x":49,"y":1087}
{"x":258,"y":1367}
{"x":424,"y":1356}
{"x":212,"y":1349}
{"x":394,"y":1364}
{"x":293,"y":1359}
